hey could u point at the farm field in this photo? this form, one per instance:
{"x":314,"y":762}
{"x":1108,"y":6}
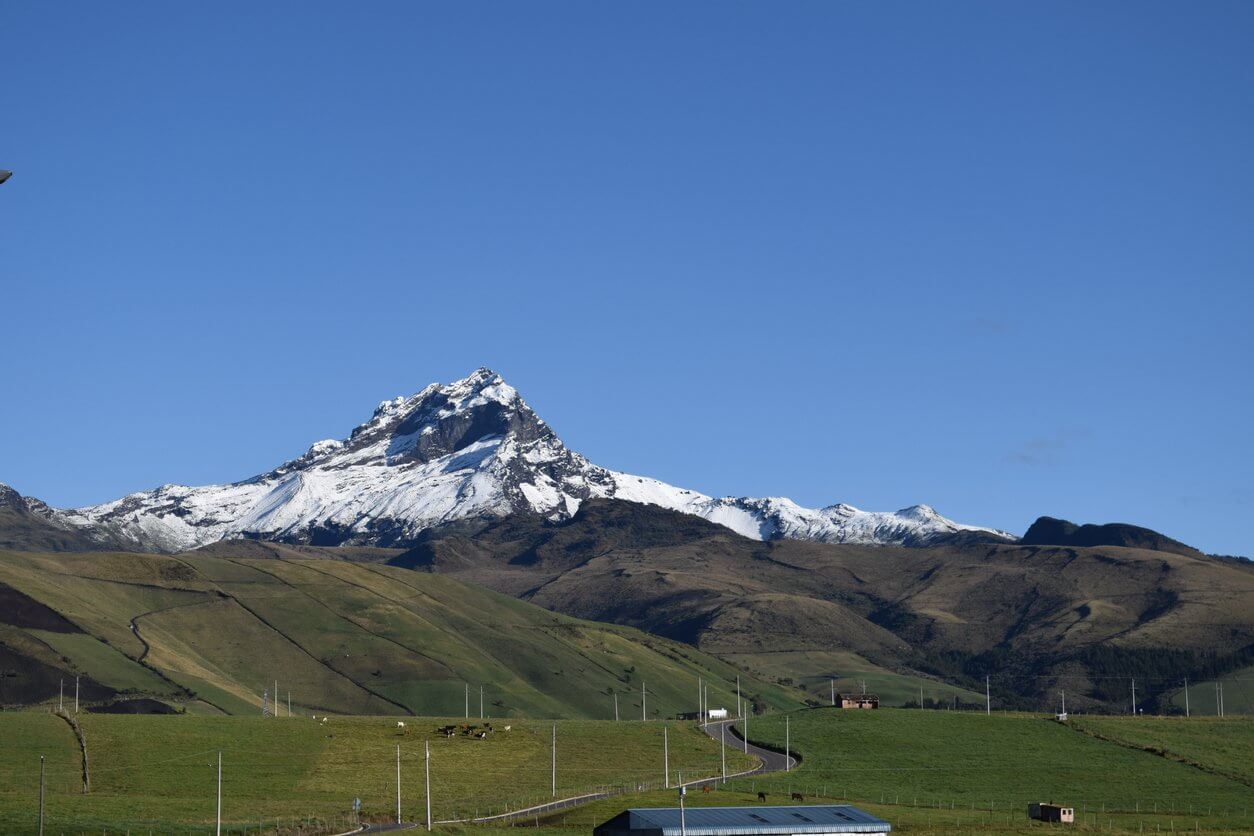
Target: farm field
{"x":929,"y":762}
{"x":213,"y":634}
{"x":1222,"y":746}
{"x":923,"y":771}
{"x":159,"y":772}
{"x":1238,"y":695}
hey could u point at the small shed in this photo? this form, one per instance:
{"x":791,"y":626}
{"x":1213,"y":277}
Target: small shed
{"x":1051,"y":812}
{"x":807,"y":820}
{"x":859,"y":701}
{"x":717,"y":714}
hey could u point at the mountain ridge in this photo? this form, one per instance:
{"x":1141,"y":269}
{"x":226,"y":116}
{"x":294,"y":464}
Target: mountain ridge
{"x":471,"y":449}
{"x":1040,"y":617}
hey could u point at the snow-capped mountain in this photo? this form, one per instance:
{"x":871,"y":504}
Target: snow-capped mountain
{"x":467,"y":449}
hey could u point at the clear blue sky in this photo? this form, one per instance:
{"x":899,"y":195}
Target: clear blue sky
{"x":995,"y":257}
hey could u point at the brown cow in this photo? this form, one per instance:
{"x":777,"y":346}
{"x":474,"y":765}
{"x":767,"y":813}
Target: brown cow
{"x":797,"y":797}
{"x":762,"y":797}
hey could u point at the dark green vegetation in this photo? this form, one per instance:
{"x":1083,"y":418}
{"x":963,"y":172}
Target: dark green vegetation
{"x":212,"y":633}
{"x":159,"y":773}
{"x":1037,"y":619}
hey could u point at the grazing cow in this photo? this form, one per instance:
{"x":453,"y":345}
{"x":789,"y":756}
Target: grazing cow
{"x":481,"y":735}
{"x":399,"y":724}
{"x":705,"y":788}
{"x":507,"y":728}
{"x":798,"y":797}
{"x":762,"y":797}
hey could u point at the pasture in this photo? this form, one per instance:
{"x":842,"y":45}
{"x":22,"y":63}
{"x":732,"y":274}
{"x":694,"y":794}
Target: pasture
{"x":159,"y":772}
{"x":943,"y":765}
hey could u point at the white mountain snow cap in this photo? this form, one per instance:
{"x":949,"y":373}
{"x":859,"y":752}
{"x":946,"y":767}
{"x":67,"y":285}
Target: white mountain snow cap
{"x":466,"y":449}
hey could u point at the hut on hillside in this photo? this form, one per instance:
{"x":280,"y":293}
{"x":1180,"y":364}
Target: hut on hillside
{"x":859,"y":701}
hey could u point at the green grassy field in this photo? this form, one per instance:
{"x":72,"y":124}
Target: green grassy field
{"x":814,"y":670}
{"x":1222,"y":746}
{"x":966,"y":762}
{"x":923,"y":771}
{"x":340,"y":637}
{"x":159,"y":773}
{"x":1238,"y":695}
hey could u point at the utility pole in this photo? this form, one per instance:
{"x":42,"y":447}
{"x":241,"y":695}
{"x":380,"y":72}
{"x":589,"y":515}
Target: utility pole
{"x":666,"y":758}
{"x":644,"y":699}
{"x":739,"y":710}
{"x":615,"y":706}
{"x":1186,"y":696}
{"x":683,"y":828}
{"x":76,"y":694}
{"x":1134,"y":696}
{"x":700,"y":692}
{"x":480,"y":702}
{"x":426,"y":745}
{"x":1064,"y":703}
{"x":747,"y":729}
{"x":555,"y":760}
{"x":722,"y":748}
{"x":707,"y":702}
{"x":61,"y":697}
{"x":276,"y":698}
{"x":787,"y":745}
{"x":467,"y":684}
{"x":41,"y":795}
{"x":920,"y":696}
{"x":1221,"y":699}
{"x":219,"y":830}
{"x":988,"y":699}
{"x":833,"y":693}
{"x":398,"y":783}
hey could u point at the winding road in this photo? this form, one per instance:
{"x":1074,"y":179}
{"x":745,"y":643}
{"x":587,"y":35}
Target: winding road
{"x":769,"y":761}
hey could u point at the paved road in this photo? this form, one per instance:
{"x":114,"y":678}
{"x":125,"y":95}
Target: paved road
{"x":771,"y":761}
{"x":380,"y":828}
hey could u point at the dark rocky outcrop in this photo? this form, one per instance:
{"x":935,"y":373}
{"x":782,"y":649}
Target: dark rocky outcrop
{"x":1049,"y":531}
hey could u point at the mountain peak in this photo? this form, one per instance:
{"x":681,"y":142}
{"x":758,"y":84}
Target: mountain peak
{"x":471,"y":448}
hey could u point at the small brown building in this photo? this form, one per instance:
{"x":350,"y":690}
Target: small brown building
{"x":859,"y":701}
{"x":1051,"y":812}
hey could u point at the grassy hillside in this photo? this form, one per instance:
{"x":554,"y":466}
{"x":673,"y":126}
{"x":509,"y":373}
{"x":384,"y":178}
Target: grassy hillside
{"x":159,"y":773}
{"x":1238,"y":695}
{"x":212,"y":633}
{"x":814,"y":671}
{"x":1035,"y":618}
{"x":966,"y":761}
{"x":1220,"y":746}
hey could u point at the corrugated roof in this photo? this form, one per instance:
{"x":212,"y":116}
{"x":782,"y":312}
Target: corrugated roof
{"x":717,"y":821}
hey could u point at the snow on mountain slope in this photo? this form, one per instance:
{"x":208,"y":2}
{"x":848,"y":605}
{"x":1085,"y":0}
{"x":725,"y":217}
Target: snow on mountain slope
{"x":467,"y":449}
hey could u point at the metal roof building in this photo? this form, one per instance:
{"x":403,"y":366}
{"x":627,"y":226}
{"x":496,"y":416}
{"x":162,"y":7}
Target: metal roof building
{"x":812,"y":820}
